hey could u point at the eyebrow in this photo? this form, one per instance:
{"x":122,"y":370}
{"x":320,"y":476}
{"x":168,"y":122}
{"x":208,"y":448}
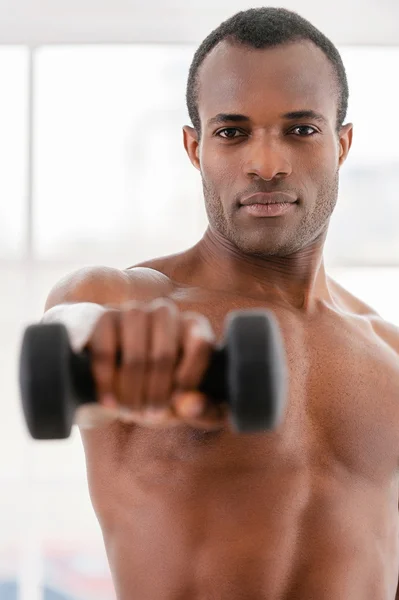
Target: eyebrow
{"x":304,"y":114}
{"x":290,"y":116}
{"x":225,"y":117}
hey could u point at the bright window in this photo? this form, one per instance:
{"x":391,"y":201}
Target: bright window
{"x":13,"y":150}
{"x":113,"y":185}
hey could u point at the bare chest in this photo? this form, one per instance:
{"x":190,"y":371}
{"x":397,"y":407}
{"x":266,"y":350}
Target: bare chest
{"x":342,"y":403}
{"x":342,"y":414}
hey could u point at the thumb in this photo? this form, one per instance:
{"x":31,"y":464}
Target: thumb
{"x":199,"y":411}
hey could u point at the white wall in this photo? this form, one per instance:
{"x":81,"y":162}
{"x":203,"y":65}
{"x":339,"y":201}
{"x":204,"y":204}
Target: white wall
{"x":362,"y":22}
{"x":86,"y":202}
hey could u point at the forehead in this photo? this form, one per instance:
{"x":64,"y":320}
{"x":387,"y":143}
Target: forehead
{"x":236,"y":78}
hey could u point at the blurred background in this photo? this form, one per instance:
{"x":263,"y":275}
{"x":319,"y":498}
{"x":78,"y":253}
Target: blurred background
{"x":92,"y":105}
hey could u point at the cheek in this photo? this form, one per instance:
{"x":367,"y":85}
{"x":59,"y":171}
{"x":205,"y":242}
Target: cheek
{"x":216,"y":170}
{"x":320,"y":164}
{"x":330,"y":153}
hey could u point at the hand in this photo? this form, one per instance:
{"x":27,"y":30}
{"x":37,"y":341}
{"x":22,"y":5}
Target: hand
{"x":164,"y":356}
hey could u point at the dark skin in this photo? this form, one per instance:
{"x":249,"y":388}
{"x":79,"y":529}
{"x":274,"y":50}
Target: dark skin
{"x":305,"y":512}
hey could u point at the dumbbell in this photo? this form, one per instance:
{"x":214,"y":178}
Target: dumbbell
{"x":247,"y":370}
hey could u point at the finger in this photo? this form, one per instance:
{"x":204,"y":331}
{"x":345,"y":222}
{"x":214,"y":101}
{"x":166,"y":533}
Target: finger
{"x":154,"y":418}
{"x":163,"y":350}
{"x":198,"y":342}
{"x":197,"y":410}
{"x":102,"y":347}
{"x":134,"y":335}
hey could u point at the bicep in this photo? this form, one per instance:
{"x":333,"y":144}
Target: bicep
{"x":100,"y":285}
{"x":109,"y":287}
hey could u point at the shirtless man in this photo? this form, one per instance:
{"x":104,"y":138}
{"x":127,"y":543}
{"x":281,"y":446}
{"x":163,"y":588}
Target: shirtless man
{"x":189,"y":508}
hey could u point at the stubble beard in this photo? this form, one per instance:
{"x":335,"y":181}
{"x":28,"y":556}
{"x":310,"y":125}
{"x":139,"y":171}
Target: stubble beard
{"x":313,"y":225}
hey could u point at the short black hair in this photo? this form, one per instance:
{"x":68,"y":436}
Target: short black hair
{"x":266,"y":27}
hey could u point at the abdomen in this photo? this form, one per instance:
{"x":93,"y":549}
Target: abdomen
{"x":281,"y":533}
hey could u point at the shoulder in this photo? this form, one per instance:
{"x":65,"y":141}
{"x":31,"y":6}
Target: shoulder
{"x":109,"y":286}
{"x":386,"y":331}
{"x":349,"y":303}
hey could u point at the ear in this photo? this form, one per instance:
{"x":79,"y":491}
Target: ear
{"x":345,"y":142}
{"x":191,"y":144}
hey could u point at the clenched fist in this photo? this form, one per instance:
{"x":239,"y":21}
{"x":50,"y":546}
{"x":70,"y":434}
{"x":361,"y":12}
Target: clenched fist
{"x":148,"y":360}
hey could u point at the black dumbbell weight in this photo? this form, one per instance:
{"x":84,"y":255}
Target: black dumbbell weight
{"x":248,"y":371}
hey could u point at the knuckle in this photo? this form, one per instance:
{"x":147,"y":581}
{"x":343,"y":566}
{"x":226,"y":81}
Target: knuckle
{"x":191,"y":315}
{"x":199,"y":344}
{"x":131,"y":305}
{"x":132,"y":312}
{"x":163,"y":307}
{"x":198,"y":326}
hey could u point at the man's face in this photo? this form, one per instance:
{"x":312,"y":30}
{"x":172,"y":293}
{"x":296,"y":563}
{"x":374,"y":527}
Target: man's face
{"x":271,"y":149}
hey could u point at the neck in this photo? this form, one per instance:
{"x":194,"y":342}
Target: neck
{"x":298,"y":280}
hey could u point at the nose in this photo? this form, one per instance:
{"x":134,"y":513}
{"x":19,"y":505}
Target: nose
{"x":267,"y":159}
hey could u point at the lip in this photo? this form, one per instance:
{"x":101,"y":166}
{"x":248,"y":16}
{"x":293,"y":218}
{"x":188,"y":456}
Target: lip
{"x":275,"y":209}
{"x":269,"y":198}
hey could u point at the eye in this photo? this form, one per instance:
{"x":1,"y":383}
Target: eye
{"x":304,"y":130}
{"x":229,"y":130}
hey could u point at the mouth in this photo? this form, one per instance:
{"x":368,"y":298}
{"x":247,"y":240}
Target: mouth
{"x":273,"y":204}
{"x":269,"y":198}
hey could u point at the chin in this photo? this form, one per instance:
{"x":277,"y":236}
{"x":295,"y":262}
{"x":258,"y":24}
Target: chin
{"x":263,"y":249}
